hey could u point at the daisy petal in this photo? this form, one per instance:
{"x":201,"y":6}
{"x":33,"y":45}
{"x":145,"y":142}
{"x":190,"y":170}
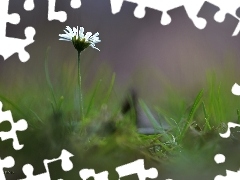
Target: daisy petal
{"x":75,"y":31}
{"x":88,"y":34}
{"x":81,"y":31}
{"x":64,"y":39}
{"x":94,"y":40}
{"x":94,"y":47}
{"x":96,"y":34}
{"x":69,"y":29}
{"x":65,"y":36}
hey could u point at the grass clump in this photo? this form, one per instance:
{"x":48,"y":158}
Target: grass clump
{"x":109,"y":136}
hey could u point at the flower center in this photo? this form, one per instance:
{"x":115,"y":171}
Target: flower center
{"x":80,"y":44}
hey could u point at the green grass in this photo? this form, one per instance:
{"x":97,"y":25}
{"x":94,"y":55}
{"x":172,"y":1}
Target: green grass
{"x":108,"y":137}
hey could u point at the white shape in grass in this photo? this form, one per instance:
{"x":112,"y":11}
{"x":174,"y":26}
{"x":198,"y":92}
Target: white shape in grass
{"x":87,"y":173}
{"x":236,"y":89}
{"x":230,"y":125}
{"x":137,"y":167}
{"x":230,"y":175}
{"x":75,"y":4}
{"x":29,"y":5}
{"x":66,"y":164}
{"x":219,"y":158}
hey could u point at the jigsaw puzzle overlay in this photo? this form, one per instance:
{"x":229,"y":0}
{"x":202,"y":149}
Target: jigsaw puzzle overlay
{"x":10,"y":45}
{"x":20,"y":125}
{"x":220,"y":158}
{"x":136,"y":167}
{"x":192,"y":8}
{"x":7,"y":162}
{"x":67,"y":165}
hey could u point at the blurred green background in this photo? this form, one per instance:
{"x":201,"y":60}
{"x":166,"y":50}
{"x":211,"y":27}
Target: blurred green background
{"x":167,"y":65}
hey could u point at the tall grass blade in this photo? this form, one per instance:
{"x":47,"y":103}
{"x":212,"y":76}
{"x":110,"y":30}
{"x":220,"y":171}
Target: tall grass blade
{"x":156,"y":125}
{"x":191,"y":114}
{"x":48,"y":78}
{"x":219,"y":103}
{"x":206,"y":116}
{"x":238,"y":113}
{"x":13,"y":105}
{"x":60,"y":102}
{"x":204,"y":110}
{"x":105,"y":101}
{"x":92,"y":97}
{"x":35,"y":114}
{"x":150,"y":116}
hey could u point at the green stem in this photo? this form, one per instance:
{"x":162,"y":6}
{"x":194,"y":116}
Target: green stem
{"x":80,"y":88}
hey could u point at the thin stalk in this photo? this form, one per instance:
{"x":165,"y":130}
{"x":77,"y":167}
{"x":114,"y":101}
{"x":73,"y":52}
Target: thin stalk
{"x":80,"y":88}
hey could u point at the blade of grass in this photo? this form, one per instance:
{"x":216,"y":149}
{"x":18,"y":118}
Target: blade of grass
{"x":60,"y":102}
{"x":35,"y":114}
{"x":211,"y":84}
{"x":48,"y":78}
{"x":157,"y":127}
{"x":206,"y":116}
{"x":165,"y":114}
{"x":13,"y":105}
{"x":52,"y":106}
{"x":178,"y":128}
{"x":105,"y":101}
{"x":92,"y":97}
{"x":149,"y":114}
{"x":219,"y":103}
{"x":191,"y":114}
{"x":238,"y":113}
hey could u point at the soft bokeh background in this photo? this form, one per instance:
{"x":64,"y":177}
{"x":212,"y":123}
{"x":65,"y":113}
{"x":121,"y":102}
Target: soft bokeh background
{"x":138,"y":50}
{"x":143,"y":54}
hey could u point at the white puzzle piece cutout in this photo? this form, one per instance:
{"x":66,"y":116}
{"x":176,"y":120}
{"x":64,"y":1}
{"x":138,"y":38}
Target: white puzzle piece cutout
{"x":67,"y":165}
{"x":220,"y":158}
{"x":20,"y":125}
{"x":137,"y":167}
{"x":230,"y":125}
{"x":29,"y":5}
{"x":87,"y":173}
{"x":236,"y":89}
{"x":192,"y":8}
{"x":230,"y":175}
{"x":7,"y":162}
{"x":75,"y":4}
{"x":10,"y":45}
{"x":53,"y":15}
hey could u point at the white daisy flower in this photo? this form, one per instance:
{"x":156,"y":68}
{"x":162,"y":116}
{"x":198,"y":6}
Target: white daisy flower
{"x":79,"y":40}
